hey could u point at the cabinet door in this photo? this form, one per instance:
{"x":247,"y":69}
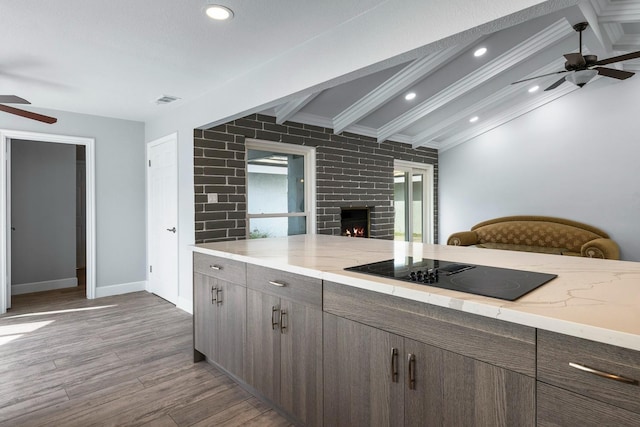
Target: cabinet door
{"x":360,"y":388}
{"x":262,"y":360}
{"x":203,"y":314}
{"x":301,"y":364}
{"x":423,"y":384}
{"x":230,"y":333}
{"x":477,"y":393}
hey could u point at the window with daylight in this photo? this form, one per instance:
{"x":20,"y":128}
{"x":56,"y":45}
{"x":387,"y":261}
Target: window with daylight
{"x":280,"y":189}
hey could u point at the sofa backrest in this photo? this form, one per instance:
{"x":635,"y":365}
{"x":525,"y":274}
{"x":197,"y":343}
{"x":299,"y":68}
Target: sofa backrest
{"x":537,"y":231}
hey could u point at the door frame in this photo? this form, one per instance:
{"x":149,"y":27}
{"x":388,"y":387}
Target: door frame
{"x":171,"y":138}
{"x":7,"y":135}
{"x":427,"y":169}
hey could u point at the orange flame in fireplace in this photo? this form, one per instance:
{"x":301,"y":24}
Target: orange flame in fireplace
{"x":354,"y":232}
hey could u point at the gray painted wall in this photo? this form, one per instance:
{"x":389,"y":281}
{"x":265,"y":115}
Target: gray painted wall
{"x":120,"y":188}
{"x":576,"y":157}
{"x":43,"y":211}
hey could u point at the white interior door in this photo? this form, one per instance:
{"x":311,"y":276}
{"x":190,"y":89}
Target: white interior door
{"x":162,"y":179}
{"x":10,"y":228}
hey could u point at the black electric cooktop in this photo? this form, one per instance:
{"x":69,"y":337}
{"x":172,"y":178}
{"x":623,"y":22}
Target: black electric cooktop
{"x":502,"y":283}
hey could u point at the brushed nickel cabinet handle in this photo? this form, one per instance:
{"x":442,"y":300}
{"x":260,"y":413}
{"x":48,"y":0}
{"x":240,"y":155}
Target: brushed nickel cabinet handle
{"x":283,"y":326}
{"x":278,"y":284}
{"x":215,"y":267}
{"x":214,"y":294}
{"x":274,"y":317}
{"x":219,"y":296}
{"x":394,"y":364}
{"x":411,"y":371}
{"x":604,"y":374}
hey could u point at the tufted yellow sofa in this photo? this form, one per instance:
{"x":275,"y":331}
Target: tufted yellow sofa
{"x":539,"y":234}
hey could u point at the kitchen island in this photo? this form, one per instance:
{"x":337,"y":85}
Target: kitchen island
{"x":514,"y":350}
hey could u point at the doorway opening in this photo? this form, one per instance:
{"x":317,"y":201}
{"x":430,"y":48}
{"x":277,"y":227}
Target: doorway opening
{"x":25,"y":230}
{"x":413,"y":202}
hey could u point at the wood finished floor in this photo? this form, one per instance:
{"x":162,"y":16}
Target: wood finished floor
{"x":125,"y":360}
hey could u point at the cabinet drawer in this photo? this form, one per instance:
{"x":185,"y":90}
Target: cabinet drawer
{"x":557,"y":407}
{"x":499,"y":343}
{"x":556,"y":351}
{"x":298,"y":288}
{"x":221,"y":268}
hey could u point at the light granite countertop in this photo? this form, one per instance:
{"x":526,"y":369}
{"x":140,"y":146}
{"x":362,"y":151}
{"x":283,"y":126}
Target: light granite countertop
{"x":591,"y":298}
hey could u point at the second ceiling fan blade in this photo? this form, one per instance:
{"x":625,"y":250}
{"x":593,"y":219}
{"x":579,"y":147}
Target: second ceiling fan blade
{"x":612,"y":72}
{"x":556,"y":84}
{"x":632,"y":55}
{"x":537,"y":77}
{"x":28,"y":114}
{"x":12,"y":99}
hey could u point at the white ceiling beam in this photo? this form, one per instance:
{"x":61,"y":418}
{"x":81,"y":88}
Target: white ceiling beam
{"x":506,"y":116}
{"x":313,"y":119}
{"x":623,"y":11}
{"x":288,"y":110}
{"x":515,"y":55}
{"x":391,"y":88}
{"x":426,"y":137}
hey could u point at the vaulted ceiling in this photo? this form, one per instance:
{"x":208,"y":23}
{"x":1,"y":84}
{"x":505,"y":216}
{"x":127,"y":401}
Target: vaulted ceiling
{"x":114,"y":58}
{"x":452,"y":86}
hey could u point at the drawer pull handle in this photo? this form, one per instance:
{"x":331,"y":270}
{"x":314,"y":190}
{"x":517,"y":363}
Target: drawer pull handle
{"x":411,"y":371}
{"x":604,"y":374}
{"x":214,"y":294}
{"x":394,"y":365}
{"x":215,"y":267}
{"x":278,"y":284}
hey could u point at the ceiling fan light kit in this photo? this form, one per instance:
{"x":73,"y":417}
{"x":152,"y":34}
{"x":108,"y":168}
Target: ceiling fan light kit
{"x":582,"y":77}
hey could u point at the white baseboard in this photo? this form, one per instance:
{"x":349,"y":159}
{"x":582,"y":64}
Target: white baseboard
{"x":47,"y":285}
{"x":185,"y":305}
{"x":122,"y":288}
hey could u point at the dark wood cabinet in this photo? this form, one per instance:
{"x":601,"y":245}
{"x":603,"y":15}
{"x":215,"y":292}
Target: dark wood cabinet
{"x":412,"y":364}
{"x":219,"y":289}
{"x":284,"y":341}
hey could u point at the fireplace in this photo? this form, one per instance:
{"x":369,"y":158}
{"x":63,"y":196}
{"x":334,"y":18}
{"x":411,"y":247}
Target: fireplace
{"x":355,"y":222}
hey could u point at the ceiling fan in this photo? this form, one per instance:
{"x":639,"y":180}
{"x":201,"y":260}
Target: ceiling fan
{"x":12,"y":99}
{"x":580,"y":66}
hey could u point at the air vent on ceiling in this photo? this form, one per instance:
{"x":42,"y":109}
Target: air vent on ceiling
{"x":166,"y":99}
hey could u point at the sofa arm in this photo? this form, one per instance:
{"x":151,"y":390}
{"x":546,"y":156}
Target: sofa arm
{"x":463,"y":238}
{"x":601,"y":248}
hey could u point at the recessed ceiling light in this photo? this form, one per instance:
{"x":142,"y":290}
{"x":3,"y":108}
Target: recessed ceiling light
{"x":410,"y":96}
{"x":533,"y":89}
{"x":473,"y":119}
{"x":480,"y":52}
{"x":219,"y":13}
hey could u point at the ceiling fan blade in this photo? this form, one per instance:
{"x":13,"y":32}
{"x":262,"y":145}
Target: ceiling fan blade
{"x":28,"y":114}
{"x":12,"y":99}
{"x":612,"y":72}
{"x":575,"y":59}
{"x":556,"y":84}
{"x":537,"y":77}
{"x":625,"y":57}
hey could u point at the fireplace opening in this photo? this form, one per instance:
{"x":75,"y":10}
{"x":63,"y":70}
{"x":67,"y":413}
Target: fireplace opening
{"x":355,"y":222}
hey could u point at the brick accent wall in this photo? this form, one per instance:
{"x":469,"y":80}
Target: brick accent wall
{"x":351,"y":170}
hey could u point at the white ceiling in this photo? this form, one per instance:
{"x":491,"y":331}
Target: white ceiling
{"x":452,"y":85}
{"x":113,"y":58}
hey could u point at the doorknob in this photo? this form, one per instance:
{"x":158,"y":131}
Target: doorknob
{"x":173,"y":230}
